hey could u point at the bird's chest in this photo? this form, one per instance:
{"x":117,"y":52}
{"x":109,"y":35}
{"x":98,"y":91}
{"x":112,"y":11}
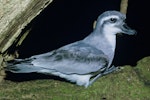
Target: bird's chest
{"x":108,"y":47}
{"x":111,"y":39}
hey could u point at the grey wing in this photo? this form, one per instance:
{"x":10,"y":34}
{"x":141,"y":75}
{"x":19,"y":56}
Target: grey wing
{"x":77,"y":58}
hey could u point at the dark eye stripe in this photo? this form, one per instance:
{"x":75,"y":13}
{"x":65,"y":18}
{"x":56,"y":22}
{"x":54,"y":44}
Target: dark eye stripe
{"x":110,"y":20}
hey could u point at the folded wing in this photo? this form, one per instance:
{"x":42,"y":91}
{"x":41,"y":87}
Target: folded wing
{"x":76,"y":58}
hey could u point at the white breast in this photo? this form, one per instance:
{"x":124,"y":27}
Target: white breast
{"x":110,"y":32}
{"x":112,"y":41}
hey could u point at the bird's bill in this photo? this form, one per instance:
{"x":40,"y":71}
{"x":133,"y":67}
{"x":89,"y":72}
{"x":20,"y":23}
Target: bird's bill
{"x":127,"y":30}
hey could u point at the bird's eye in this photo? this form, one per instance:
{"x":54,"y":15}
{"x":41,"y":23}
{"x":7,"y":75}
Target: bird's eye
{"x":113,"y":20}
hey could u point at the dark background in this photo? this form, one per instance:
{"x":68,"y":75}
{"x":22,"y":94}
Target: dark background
{"x":67,"y":21}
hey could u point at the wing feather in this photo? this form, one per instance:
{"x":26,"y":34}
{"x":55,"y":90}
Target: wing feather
{"x":77,"y":58}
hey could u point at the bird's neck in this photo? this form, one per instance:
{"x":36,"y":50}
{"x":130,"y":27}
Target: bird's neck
{"x":102,"y":41}
{"x":106,"y":43}
{"x":112,"y":40}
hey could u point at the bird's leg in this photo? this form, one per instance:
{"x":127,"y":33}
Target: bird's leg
{"x":95,"y":78}
{"x":109,"y":70}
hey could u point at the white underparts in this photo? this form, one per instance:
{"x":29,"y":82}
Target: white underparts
{"x":81,"y":80}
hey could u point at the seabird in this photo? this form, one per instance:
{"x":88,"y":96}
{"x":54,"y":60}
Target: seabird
{"x":83,"y":61}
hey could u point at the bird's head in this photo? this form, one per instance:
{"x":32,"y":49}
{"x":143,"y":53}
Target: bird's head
{"x":113,"y":22}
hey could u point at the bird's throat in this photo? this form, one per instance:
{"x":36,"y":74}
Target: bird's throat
{"x":112,"y":40}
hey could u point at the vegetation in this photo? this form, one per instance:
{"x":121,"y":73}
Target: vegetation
{"x":129,"y":83}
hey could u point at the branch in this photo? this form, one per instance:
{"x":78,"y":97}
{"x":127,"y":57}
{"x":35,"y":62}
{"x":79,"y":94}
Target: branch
{"x":15,"y":15}
{"x":124,"y":6}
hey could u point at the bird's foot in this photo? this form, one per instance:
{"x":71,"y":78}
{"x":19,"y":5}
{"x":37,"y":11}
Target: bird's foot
{"x":109,"y":70}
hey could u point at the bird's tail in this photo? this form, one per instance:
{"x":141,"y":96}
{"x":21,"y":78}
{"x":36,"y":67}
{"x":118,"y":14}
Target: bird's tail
{"x":21,"y":66}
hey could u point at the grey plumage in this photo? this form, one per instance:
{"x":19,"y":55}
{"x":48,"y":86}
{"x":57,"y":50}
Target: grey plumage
{"x":83,"y":61}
